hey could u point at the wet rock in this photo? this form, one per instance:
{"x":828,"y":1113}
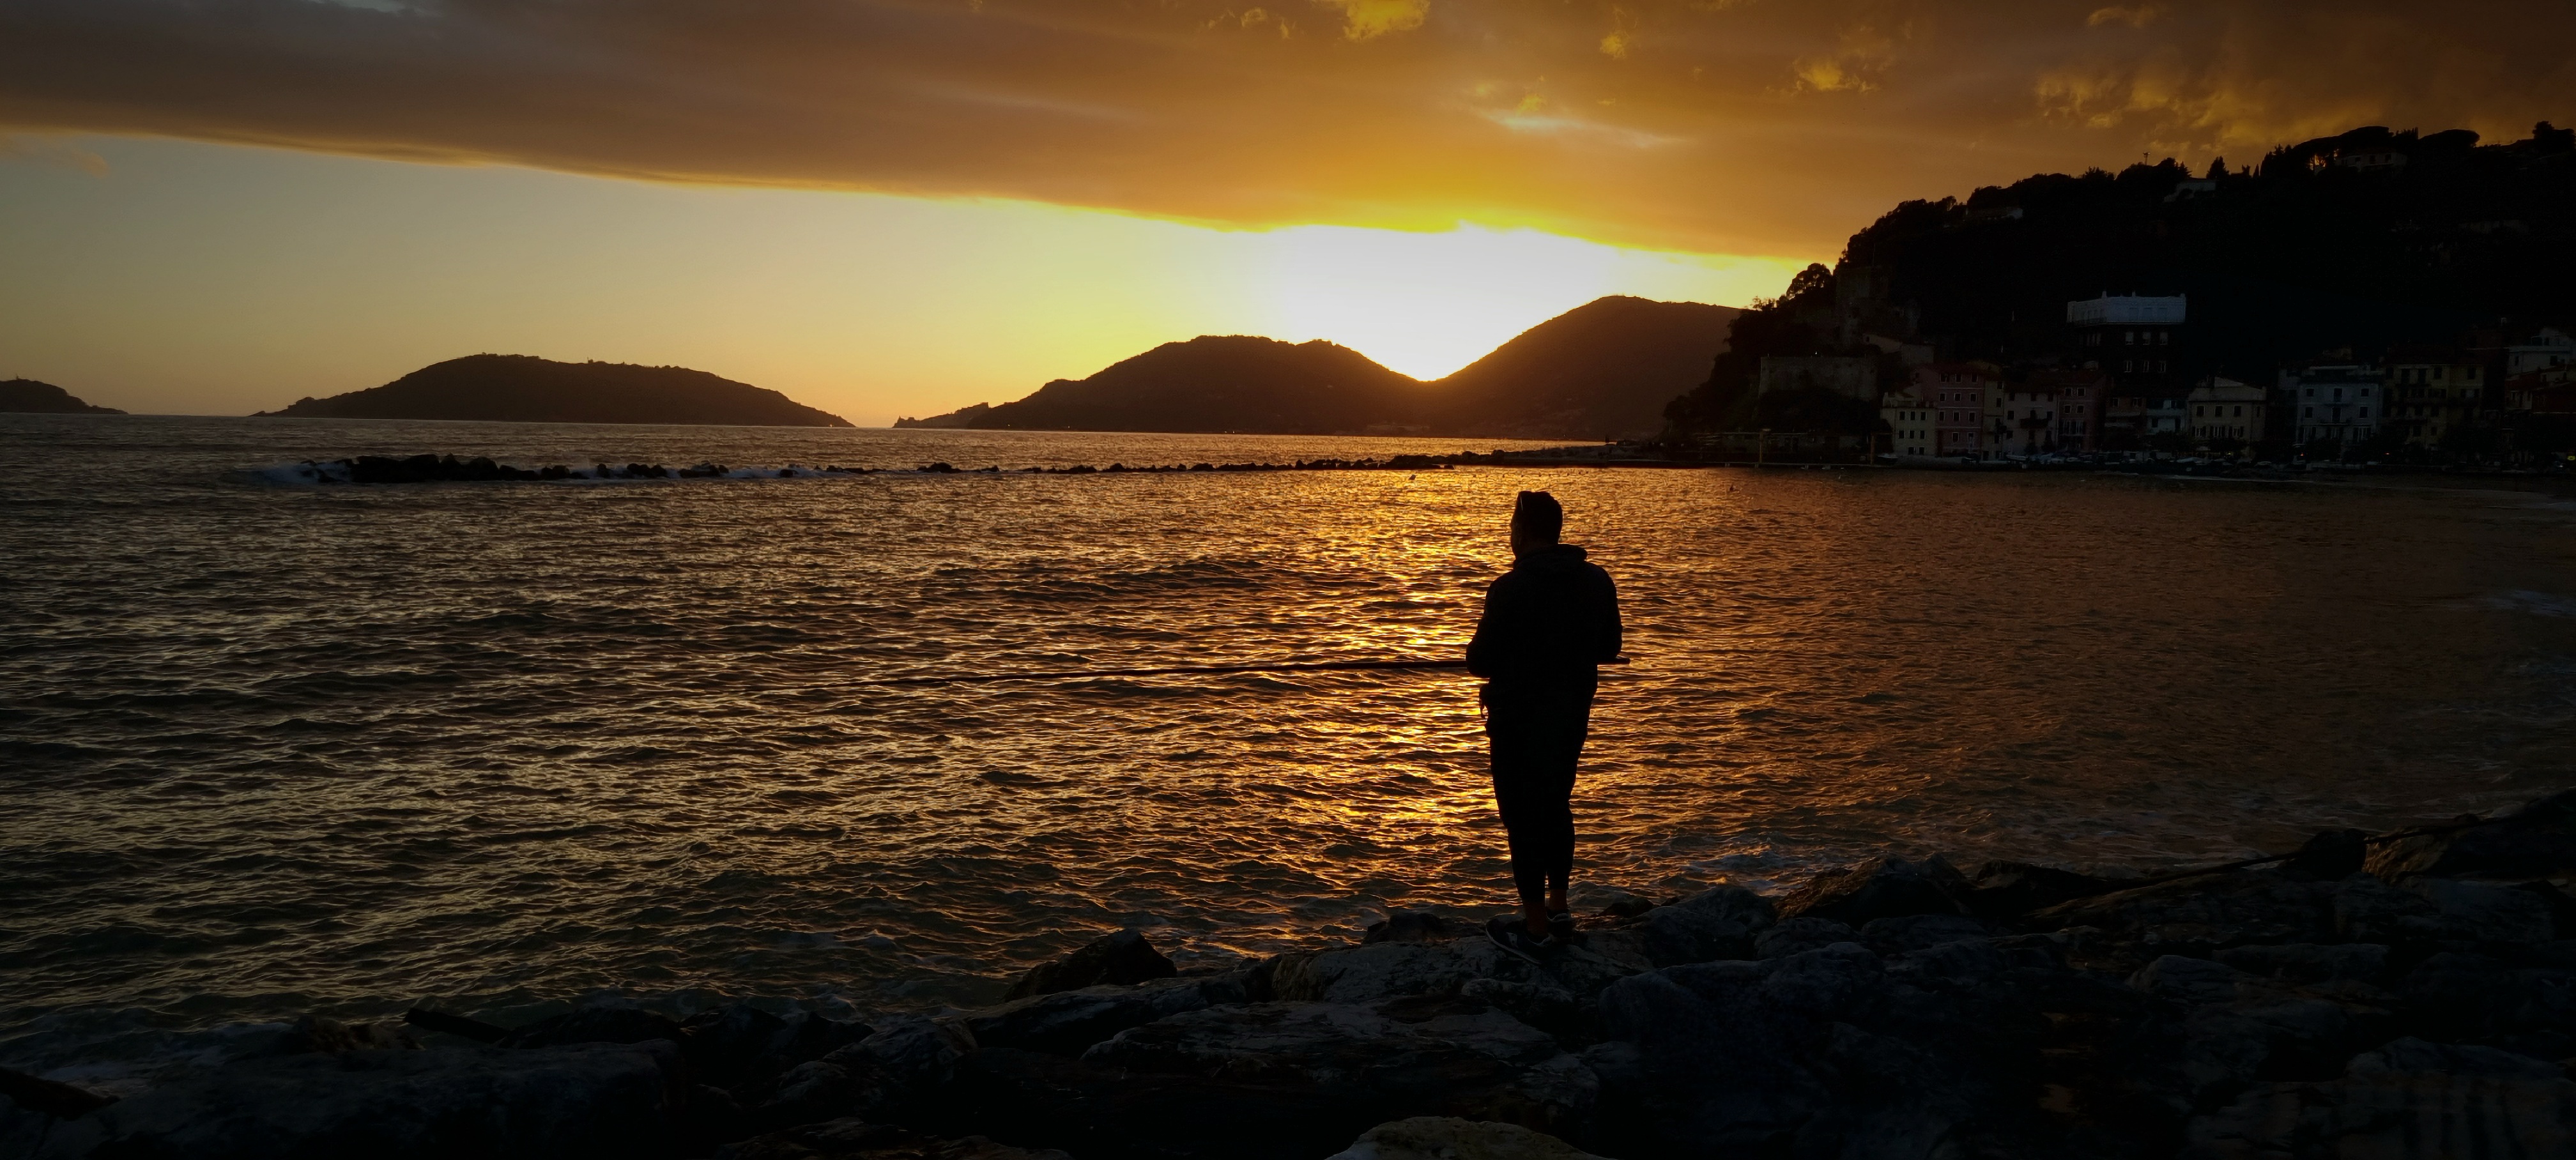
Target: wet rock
{"x":2489,"y":913}
{"x":1124,"y":958}
{"x":1799,"y":935}
{"x":2329,"y":856}
{"x":2302,"y":964}
{"x":2210,"y":911}
{"x":1914,"y":932}
{"x":1066,"y":1022}
{"x":593,"y":1100}
{"x":817,"y":1090}
{"x":907,"y":1052}
{"x":331,"y":1036}
{"x":2537,"y":840}
{"x":856,"y":1139}
{"x":740,"y":1043}
{"x":1719,"y":923}
{"x":1381,"y":971}
{"x":2365,"y":909}
{"x":2008,"y":889}
{"x":1460,"y":1057}
{"x":1451,"y":1138}
{"x":48,"y":1098}
{"x":1618,"y":903}
{"x":1271,"y":1081}
{"x":1884,"y":887}
{"x":2472,"y":996}
{"x":1409,"y":926}
{"x":2407,"y":1099}
{"x":600,"y":1024}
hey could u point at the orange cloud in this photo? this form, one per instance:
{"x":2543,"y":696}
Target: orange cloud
{"x":1746,"y":126}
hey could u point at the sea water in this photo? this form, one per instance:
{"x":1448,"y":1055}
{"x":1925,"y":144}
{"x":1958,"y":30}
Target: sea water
{"x":268,"y":748}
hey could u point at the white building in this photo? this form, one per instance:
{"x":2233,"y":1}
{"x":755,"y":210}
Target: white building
{"x":2549,"y":348}
{"x":2336,"y":404}
{"x":1910,"y":421}
{"x":2127,"y":310}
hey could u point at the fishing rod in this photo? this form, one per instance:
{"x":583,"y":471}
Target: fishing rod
{"x":1171,"y":670}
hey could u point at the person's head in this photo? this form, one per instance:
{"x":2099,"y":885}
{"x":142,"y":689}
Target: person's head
{"x":1537,"y":520}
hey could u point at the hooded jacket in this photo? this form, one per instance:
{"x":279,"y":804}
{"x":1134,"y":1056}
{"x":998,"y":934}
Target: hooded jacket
{"x":1547,"y":623}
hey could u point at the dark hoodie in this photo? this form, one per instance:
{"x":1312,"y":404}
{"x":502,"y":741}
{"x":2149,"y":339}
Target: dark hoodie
{"x":1547,"y":622}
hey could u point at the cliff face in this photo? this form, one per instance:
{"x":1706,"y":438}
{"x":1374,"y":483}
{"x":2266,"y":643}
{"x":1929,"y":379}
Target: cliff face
{"x":509,"y":388}
{"x":27,"y":396}
{"x":1603,"y":369}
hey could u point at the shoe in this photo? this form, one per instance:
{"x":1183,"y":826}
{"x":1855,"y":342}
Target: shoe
{"x":1560,"y":925}
{"x":1511,"y":933}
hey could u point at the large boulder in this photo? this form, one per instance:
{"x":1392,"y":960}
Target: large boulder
{"x":2485,"y":912}
{"x":1066,"y":1022}
{"x":1451,"y":1138}
{"x":605,"y":1023}
{"x":2009,"y":889}
{"x":1718,"y":923}
{"x":1828,"y":1052}
{"x":856,"y":1139}
{"x":2409,"y":1098}
{"x":741,"y":1043}
{"x":2464,"y":996}
{"x":1883,"y":887}
{"x":1123,"y":958}
{"x":1271,"y":1081}
{"x":593,"y":1100}
{"x":2197,"y":915}
{"x":1557,"y":995}
{"x":2537,"y":840}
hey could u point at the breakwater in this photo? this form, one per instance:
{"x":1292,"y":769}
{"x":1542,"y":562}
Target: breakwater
{"x":2404,"y":994}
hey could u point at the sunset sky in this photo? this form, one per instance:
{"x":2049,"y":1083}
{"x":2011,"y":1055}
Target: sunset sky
{"x":889,"y":208}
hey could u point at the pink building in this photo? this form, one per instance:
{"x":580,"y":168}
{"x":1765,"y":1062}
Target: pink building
{"x":2081,"y":397}
{"x":1956,"y":395}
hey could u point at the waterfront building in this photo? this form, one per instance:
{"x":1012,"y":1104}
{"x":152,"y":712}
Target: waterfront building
{"x":1909,"y":419}
{"x":1956,"y":393}
{"x":2136,"y":340}
{"x":2081,"y":397}
{"x":2335,"y":403}
{"x":2021,"y":419}
{"x":2551,"y":347}
{"x":2432,"y":392}
{"x":2226,"y":411}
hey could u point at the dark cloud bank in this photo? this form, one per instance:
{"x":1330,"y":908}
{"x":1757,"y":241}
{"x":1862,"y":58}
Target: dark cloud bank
{"x":1731,"y":125}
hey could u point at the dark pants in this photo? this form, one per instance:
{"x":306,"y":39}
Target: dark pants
{"x":1535,"y":741}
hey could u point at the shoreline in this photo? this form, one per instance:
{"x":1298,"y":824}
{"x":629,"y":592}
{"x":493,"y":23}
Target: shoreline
{"x":1895,"y":1007}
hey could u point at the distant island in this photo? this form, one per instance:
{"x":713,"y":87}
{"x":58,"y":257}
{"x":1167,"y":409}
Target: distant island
{"x":27,"y":396}
{"x":518,"y":388}
{"x":1603,"y":369}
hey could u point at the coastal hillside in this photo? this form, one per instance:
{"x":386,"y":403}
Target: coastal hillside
{"x":1236,"y":383}
{"x":1604,"y":368}
{"x":27,"y":396}
{"x":518,"y":388}
{"x":2336,"y":248}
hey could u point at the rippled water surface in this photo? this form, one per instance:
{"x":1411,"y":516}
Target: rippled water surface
{"x":271,"y":749}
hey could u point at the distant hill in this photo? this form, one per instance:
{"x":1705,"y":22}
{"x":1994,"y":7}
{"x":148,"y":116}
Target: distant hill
{"x":1604,"y":368}
{"x":1222,"y":383}
{"x":27,"y":396}
{"x":518,"y":388}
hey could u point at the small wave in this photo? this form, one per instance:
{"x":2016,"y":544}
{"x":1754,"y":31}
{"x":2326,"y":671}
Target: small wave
{"x":2535,"y":603}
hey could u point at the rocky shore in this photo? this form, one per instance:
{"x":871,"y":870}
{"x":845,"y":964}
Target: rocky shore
{"x":2402,"y":995}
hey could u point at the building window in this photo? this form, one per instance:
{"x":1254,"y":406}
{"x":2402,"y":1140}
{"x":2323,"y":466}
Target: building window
{"x":2365,"y":412}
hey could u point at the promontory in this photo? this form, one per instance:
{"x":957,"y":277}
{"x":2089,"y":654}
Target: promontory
{"x":518,"y":388}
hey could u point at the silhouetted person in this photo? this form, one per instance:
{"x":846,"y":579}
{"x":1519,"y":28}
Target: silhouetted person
{"x":1547,"y":623}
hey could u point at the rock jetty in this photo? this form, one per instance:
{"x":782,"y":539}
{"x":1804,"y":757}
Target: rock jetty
{"x":2398,"y":995}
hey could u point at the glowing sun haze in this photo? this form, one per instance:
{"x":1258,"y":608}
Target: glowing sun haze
{"x":1755,"y":134}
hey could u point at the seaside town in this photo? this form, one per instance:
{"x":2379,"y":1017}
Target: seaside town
{"x":2120,"y":387}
